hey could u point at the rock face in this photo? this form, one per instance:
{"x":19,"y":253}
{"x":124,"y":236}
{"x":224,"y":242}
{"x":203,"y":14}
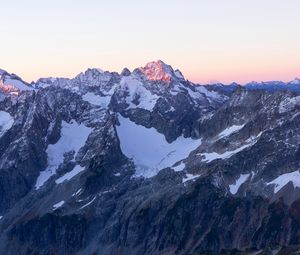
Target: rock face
{"x":146,"y":162}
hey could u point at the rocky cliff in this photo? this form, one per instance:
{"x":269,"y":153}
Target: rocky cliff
{"x":146,"y":162}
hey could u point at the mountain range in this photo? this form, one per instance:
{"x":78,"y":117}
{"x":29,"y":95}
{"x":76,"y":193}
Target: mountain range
{"x":147,"y":162}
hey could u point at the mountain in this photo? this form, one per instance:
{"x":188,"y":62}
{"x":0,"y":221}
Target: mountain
{"x":12,"y":84}
{"x":276,"y":85}
{"x":147,"y":162}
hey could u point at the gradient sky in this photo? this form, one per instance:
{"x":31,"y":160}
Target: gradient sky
{"x":208,"y":40}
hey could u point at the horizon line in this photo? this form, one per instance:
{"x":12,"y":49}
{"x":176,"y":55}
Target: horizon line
{"x":212,"y":82}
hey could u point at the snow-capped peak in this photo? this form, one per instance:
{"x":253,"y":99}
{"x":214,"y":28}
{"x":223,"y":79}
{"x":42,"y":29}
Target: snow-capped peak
{"x":2,"y":72}
{"x":125,"y":72}
{"x":159,"y":71}
{"x":99,"y":70}
{"x":12,"y":84}
{"x":94,"y":71}
{"x":296,"y":81}
{"x":179,"y":74}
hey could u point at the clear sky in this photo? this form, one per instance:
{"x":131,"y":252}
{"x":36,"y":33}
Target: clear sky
{"x":208,"y":40}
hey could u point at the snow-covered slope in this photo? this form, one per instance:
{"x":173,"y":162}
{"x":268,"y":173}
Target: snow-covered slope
{"x":284,"y":179}
{"x":73,"y":137}
{"x":149,"y":149}
{"x":147,"y":162}
{"x":6,"y":122}
{"x":12,"y":84}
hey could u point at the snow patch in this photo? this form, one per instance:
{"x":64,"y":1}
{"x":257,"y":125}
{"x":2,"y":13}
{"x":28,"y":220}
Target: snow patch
{"x":209,"y":94}
{"x":289,"y":104}
{"x":209,"y":157}
{"x":284,"y":179}
{"x":6,"y":122}
{"x":149,"y":149}
{"x":94,"y":99}
{"x":197,"y":93}
{"x":77,"y":192}
{"x":179,"y":167}
{"x":87,"y":204}
{"x":59,"y":204}
{"x":235,"y":187}
{"x":68,"y":176}
{"x":73,"y":137}
{"x":189,"y":177}
{"x":232,"y":129}
{"x":137,"y":92}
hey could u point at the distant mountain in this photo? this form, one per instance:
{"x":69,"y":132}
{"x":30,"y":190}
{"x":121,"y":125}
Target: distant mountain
{"x":147,"y":162}
{"x":276,"y":85}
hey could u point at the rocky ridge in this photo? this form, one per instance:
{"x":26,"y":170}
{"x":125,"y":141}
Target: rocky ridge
{"x":146,"y":162}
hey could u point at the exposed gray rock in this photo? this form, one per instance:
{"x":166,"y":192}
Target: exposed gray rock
{"x":236,"y":193}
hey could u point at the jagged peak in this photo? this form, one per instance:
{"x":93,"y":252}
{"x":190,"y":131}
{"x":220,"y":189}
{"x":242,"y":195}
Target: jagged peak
{"x":11,"y":83}
{"x":94,"y":73}
{"x":94,"y":70}
{"x":160,"y":71}
{"x":179,"y":74}
{"x":125,"y":72}
{"x":157,"y":63}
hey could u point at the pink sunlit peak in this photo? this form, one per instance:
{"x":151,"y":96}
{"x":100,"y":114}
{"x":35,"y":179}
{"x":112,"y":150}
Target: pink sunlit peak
{"x":158,"y":71}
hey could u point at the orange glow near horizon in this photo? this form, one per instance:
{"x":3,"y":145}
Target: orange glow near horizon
{"x":207,"y":40}
{"x":203,"y":74}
